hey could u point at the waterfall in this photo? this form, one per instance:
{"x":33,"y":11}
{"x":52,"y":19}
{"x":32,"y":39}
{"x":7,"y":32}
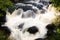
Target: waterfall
{"x":29,"y":13}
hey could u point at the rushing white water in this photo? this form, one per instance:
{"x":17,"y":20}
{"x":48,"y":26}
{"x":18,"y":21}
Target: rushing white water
{"x":30,"y":18}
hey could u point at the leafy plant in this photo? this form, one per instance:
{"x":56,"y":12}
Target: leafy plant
{"x":4,"y":4}
{"x":56,"y":3}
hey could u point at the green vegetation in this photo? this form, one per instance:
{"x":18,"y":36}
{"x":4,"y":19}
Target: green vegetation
{"x":4,"y":4}
{"x":56,"y":3}
{"x":57,"y":23}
